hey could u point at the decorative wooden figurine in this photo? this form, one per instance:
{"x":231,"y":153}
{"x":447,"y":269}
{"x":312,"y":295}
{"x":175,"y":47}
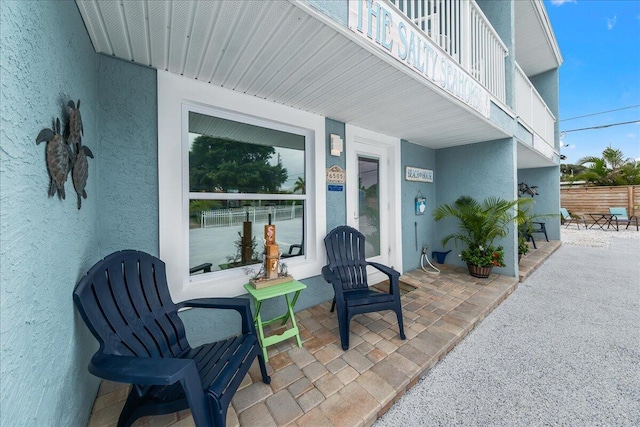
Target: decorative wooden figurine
{"x":272,"y":255}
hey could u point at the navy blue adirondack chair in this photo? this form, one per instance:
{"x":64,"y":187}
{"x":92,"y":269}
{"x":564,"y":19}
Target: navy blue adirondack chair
{"x":125,"y":302}
{"x":347,"y":273}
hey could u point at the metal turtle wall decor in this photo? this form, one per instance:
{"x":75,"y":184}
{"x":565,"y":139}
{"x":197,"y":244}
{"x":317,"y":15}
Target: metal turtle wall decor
{"x":525,"y":189}
{"x":80,"y":171}
{"x":60,"y":157}
{"x":76,"y":131}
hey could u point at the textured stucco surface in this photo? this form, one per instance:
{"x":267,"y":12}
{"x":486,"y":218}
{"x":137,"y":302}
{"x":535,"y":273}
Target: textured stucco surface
{"x":419,"y":157}
{"x":128,"y":134}
{"x":478,"y":170}
{"x":548,"y":199}
{"x":45,"y":243}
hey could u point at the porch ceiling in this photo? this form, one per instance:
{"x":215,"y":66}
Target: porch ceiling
{"x":528,"y":158}
{"x":286,"y":53}
{"x":536,"y":50}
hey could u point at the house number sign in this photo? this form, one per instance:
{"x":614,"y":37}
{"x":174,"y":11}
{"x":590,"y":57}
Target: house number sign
{"x":335,"y":175}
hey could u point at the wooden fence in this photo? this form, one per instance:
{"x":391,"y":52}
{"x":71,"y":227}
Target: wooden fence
{"x":581,"y":200}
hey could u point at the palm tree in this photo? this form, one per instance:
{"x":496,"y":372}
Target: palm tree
{"x":630,"y":172}
{"x":299,"y":185}
{"x":610,"y":169}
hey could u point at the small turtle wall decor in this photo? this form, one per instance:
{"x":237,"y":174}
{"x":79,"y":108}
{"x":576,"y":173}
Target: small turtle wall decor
{"x":76,"y":131}
{"x":80,"y":171}
{"x":58,"y":158}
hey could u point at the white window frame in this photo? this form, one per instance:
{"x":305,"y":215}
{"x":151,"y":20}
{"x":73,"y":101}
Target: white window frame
{"x":176,"y":91}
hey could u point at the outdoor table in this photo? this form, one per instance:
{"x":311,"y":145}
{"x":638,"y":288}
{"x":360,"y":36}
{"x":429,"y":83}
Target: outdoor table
{"x":597,"y":218}
{"x":260,"y":295}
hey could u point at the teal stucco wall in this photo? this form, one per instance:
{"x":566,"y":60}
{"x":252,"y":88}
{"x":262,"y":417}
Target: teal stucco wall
{"x":46,"y":244}
{"x":477,"y":170}
{"x":547,"y":202}
{"x":128,"y":136}
{"x":417,"y":228}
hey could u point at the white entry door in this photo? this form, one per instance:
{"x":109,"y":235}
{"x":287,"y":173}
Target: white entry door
{"x":372,"y":194}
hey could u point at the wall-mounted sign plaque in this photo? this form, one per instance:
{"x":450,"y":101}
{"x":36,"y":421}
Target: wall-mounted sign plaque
{"x":335,"y":175}
{"x":417,"y":174}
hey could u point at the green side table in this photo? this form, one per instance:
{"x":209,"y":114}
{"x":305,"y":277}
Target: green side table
{"x":260,"y":295}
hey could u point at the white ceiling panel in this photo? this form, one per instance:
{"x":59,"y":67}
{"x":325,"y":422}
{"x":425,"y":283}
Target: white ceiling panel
{"x":182,"y":16}
{"x":536,"y":48}
{"x":529,"y":158}
{"x":113,"y":17}
{"x":138,"y":28}
{"x":90,"y":12}
{"x":159,"y":14}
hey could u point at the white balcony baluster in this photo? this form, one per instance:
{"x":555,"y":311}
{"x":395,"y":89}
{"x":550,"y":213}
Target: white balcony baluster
{"x":532,"y":110}
{"x":465,"y":34}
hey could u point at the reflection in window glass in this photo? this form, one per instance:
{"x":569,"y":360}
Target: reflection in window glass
{"x":369,"y":204}
{"x":232,"y":167}
{"x":227,"y":236}
{"x":232,"y":157}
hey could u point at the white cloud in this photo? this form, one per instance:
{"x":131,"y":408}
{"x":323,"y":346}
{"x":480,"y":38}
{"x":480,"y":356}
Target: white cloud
{"x":561,"y":2}
{"x":611,"y":22}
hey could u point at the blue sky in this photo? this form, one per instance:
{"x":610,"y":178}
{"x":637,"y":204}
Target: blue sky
{"x":600,"y":45}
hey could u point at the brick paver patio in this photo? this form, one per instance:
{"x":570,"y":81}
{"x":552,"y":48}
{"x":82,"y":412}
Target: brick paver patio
{"x":322,"y":385}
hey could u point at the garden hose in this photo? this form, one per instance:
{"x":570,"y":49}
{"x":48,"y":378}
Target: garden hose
{"x":425,"y":257}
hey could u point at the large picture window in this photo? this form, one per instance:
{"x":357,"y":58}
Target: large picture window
{"x":242,"y":176}
{"x":226,"y":159}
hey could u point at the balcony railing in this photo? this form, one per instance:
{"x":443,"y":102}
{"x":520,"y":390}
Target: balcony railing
{"x":532,"y":110}
{"x":464,"y":32}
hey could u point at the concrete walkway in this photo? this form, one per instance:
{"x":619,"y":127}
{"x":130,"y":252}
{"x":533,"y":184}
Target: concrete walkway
{"x":564,"y":349}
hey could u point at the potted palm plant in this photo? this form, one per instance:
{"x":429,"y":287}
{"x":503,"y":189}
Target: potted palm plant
{"x":480,"y":225}
{"x":523,"y":247}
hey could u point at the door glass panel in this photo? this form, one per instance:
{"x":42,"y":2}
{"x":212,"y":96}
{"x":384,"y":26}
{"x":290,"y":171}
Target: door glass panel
{"x":369,"y":204}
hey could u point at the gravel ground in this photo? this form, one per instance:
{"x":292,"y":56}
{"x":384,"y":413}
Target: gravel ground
{"x":596,"y":238}
{"x":562,"y":350}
